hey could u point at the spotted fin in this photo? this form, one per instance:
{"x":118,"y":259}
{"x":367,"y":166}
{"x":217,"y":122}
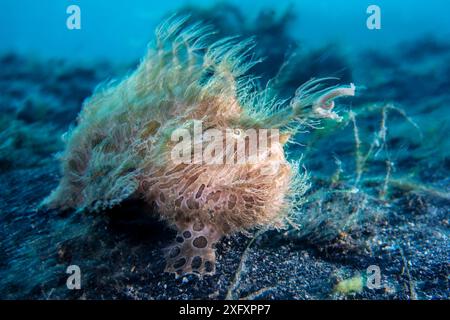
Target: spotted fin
{"x":193,"y":251}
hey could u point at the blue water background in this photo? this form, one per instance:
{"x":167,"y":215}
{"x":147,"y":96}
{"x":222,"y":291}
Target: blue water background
{"x":120,"y":30}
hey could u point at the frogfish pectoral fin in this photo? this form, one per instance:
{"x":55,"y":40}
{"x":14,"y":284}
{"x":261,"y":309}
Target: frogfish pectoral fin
{"x":193,"y":251}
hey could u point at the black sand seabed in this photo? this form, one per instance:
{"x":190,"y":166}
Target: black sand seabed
{"x":405,"y":231}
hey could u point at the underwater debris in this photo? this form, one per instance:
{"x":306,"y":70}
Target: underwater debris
{"x":350,"y":286}
{"x":122,"y":145}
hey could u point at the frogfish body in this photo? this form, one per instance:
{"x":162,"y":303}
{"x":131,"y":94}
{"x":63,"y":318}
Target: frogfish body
{"x":124,"y":143}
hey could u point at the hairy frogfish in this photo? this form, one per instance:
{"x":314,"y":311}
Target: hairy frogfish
{"x":192,"y":96}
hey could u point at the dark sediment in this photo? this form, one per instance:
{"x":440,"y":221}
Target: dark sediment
{"x":347,"y":225}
